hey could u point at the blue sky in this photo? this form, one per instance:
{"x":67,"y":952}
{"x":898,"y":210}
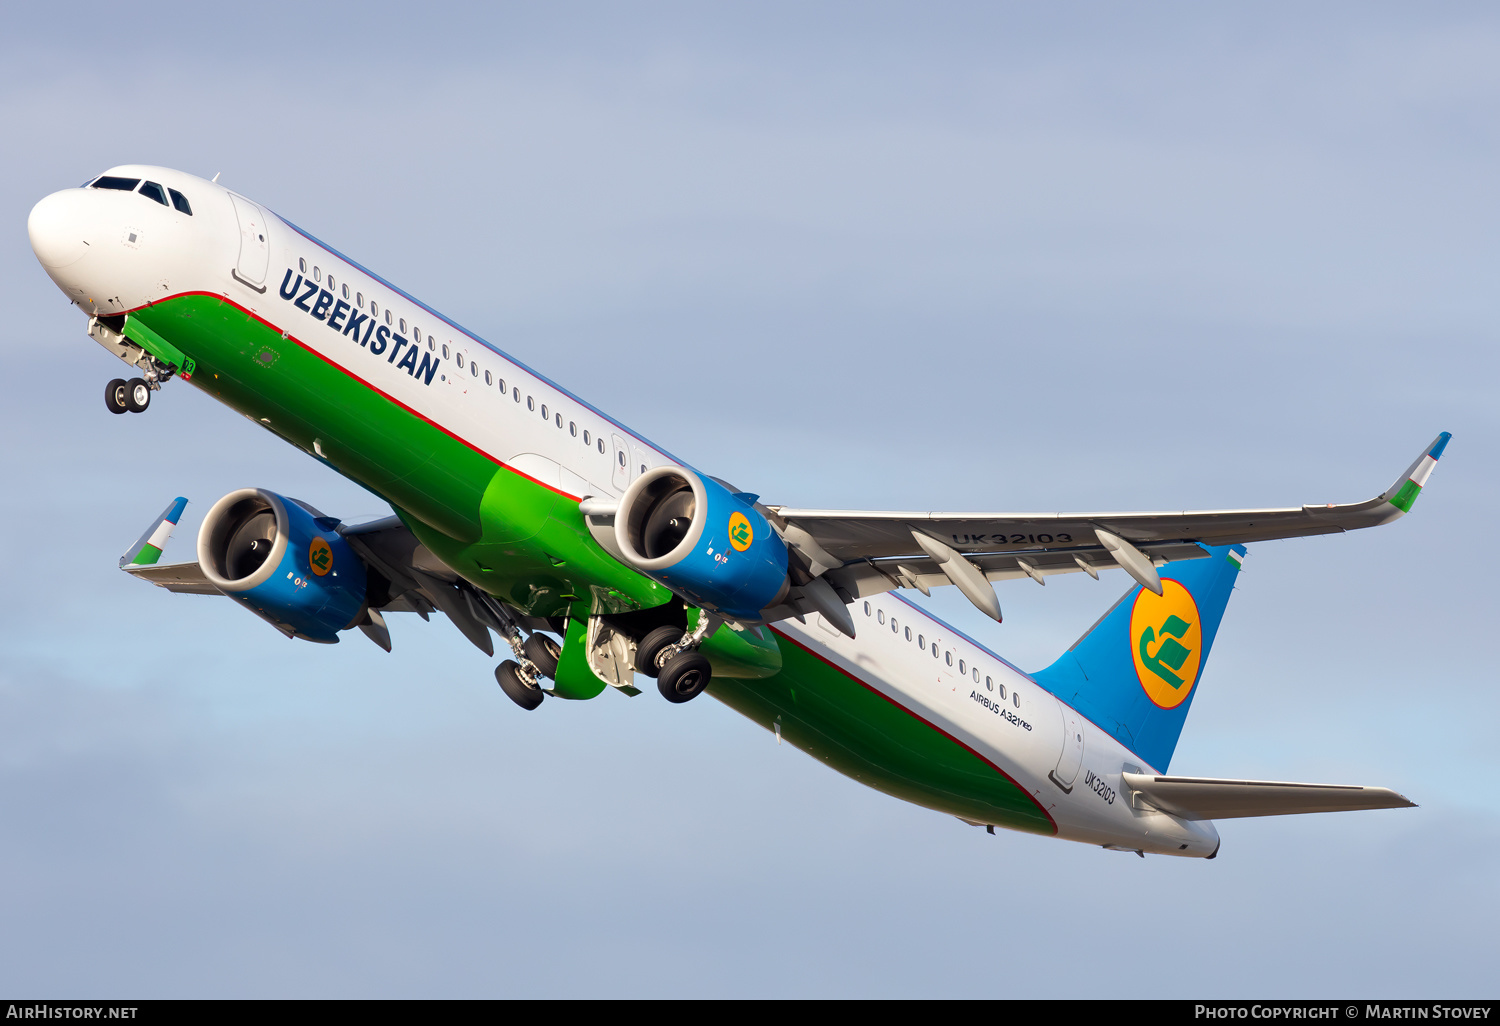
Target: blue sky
{"x":866,"y":255}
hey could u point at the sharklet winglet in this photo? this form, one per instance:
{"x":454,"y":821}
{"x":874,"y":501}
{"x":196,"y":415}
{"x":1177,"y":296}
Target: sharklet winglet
{"x":148,"y":547}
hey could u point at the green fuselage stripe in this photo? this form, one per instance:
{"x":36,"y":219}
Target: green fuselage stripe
{"x":527,"y":544}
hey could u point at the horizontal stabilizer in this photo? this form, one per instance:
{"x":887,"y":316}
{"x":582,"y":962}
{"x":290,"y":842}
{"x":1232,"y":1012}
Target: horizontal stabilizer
{"x":184,"y":578}
{"x":1202,"y":798}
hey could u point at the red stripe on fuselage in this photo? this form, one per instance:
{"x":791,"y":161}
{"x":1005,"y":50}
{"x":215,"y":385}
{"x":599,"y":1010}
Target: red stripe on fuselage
{"x":385,"y":395}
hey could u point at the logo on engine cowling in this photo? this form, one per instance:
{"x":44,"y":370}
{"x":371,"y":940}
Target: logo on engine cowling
{"x":320,"y":557}
{"x":741,"y":534}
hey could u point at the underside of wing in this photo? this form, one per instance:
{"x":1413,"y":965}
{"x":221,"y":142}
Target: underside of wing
{"x":183,"y":578}
{"x":864,"y":553}
{"x":1204,"y":798}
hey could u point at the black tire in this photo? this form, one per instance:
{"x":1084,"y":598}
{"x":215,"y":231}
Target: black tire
{"x":508,"y":676}
{"x":114,"y":396}
{"x":137,"y":395}
{"x":545,"y":652}
{"x":684,"y":678}
{"x":649,"y":650}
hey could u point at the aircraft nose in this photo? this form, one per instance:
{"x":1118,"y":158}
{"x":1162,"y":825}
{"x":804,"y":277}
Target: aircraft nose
{"x":58,"y":226}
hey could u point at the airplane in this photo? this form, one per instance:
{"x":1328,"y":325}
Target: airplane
{"x":597,"y":558}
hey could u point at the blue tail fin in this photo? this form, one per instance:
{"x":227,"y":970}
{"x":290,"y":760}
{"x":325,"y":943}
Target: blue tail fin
{"x":1134,"y":672}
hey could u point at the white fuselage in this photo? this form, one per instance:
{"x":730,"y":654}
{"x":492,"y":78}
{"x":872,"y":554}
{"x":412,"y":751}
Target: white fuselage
{"x":113,"y":252}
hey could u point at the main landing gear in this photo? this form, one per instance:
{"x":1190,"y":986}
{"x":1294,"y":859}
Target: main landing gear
{"x":667,"y":653}
{"x":132,"y":396}
{"x":521,"y":678}
{"x":681,"y":671}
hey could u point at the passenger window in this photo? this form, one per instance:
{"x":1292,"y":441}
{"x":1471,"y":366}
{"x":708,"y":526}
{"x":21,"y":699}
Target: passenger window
{"x":922,"y":642}
{"x":558,"y":418}
{"x":346,"y":290}
{"x":601,"y":447}
{"x":403,"y":325}
{"x":573,"y":428}
{"x":530,"y":403}
{"x":359,"y":300}
{"x":962,"y":669}
{"x":487,"y":379}
{"x":474,"y":369}
{"x":934,"y":650}
{"x":153,"y":191}
{"x":516,"y":394}
{"x":331,"y":283}
{"x":867,"y":609}
{"x":459,"y":359}
{"x":317,"y":273}
{"x":976,"y":675}
{"x":948,"y":658}
{"x":388,"y":317}
{"x":431,"y":346}
{"x":544,"y":411}
{"x":120,"y":184}
{"x":416,"y":333}
{"x":989,"y":683}
{"x":622,"y":453}
{"x":301,"y":266}
{"x":908,"y":634}
{"x":180,"y":202}
{"x":445,"y":354}
{"x":1002,"y":692}
{"x":895,"y":628}
{"x":502,"y":384}
{"x":880,"y":616}
{"x":1015,"y":699}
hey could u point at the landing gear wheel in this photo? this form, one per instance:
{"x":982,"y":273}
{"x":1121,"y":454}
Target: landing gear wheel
{"x":649,"y":650}
{"x":508,"y":676}
{"x":684,"y":678}
{"x":114,"y":396}
{"x":137,"y":395}
{"x":544,"y":652}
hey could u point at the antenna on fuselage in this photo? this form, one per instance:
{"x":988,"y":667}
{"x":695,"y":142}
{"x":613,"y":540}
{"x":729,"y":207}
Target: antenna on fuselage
{"x":215,"y":178}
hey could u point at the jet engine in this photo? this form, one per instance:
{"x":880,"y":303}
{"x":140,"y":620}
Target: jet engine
{"x":284,"y":562}
{"x":708,"y":544}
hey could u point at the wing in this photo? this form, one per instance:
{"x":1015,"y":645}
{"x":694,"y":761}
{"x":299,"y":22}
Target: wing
{"x":405,"y":578}
{"x":862,"y":553}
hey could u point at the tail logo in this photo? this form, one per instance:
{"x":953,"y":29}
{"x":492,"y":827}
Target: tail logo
{"x":1167,"y":643}
{"x":320,"y":557}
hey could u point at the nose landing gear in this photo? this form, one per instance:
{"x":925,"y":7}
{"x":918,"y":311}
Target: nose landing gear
{"x":133,"y":396}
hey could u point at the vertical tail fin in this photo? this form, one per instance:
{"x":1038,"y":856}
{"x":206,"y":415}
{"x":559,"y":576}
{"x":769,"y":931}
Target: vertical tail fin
{"x":1134,"y":672}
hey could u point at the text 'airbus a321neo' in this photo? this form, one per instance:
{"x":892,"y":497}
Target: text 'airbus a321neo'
{"x":596,"y":556}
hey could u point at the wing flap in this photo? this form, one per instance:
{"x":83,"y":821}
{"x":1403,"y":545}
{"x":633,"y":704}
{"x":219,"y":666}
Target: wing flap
{"x":1207,"y":798}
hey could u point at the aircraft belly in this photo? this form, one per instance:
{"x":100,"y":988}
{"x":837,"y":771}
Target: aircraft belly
{"x":829,"y":712}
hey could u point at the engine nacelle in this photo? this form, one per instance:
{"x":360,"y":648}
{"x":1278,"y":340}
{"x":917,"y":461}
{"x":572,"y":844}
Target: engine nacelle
{"x":701,"y":540}
{"x":284,"y":563}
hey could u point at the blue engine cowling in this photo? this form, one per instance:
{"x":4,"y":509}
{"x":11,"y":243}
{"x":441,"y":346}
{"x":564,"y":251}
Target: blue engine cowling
{"x":703,"y":541}
{"x":284,"y":562}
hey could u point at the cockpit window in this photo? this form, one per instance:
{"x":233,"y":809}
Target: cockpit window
{"x":153,"y":191}
{"x":180,"y":202}
{"x":122,"y":184}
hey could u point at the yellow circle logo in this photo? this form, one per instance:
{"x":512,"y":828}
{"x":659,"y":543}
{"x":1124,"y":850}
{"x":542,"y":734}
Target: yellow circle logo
{"x":1166,"y":641}
{"x":320,"y":557}
{"x":740,"y":532}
